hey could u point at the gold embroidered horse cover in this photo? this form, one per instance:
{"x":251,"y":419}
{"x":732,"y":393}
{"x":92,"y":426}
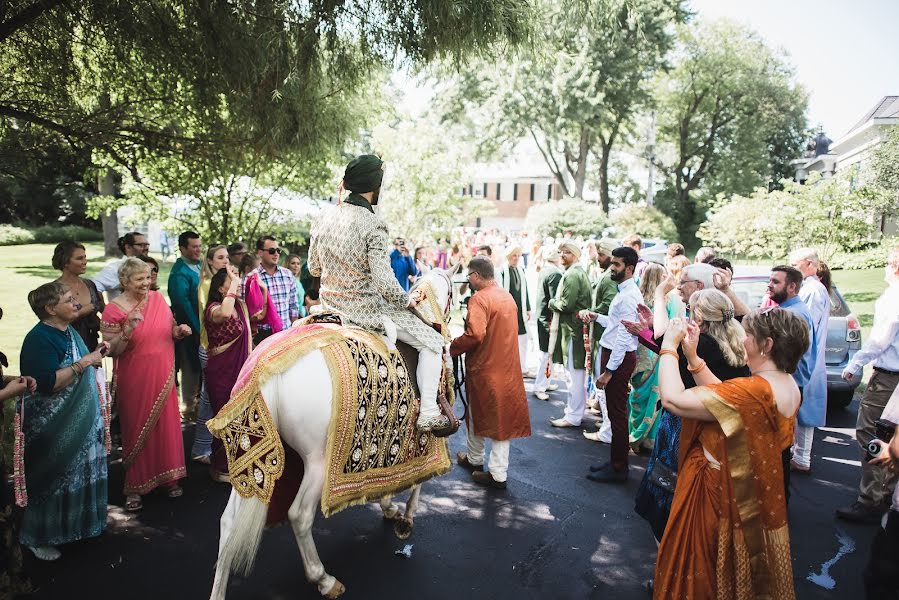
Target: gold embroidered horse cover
{"x":373,"y":447}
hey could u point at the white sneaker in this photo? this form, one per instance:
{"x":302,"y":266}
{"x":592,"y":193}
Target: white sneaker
{"x":552,"y":387}
{"x":541,"y":396}
{"x":45,"y":552}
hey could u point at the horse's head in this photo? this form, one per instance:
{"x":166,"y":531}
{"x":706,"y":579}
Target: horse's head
{"x":437,"y":286}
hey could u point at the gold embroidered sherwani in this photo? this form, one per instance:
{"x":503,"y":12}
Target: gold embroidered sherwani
{"x":349,"y":252}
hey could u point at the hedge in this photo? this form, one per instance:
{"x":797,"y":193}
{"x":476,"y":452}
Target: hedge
{"x":14,"y":235}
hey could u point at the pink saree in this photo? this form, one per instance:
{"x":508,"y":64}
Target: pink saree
{"x":144,"y":391}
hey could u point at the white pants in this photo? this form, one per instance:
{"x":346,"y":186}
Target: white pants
{"x":541,"y":382}
{"x":430,"y":367}
{"x":523,"y":351}
{"x":577,"y":395}
{"x":605,"y":429}
{"x":802,"y":448}
{"x":499,"y":453}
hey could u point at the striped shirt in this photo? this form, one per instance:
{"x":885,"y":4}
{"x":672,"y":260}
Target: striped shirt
{"x":283,"y":291}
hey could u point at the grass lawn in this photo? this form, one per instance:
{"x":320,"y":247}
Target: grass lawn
{"x":861,"y":290}
{"x":23,"y":268}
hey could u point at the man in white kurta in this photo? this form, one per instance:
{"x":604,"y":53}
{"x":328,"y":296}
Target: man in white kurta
{"x":513,"y":279}
{"x":813,"y":410}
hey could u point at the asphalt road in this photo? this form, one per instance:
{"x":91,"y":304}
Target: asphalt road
{"x":551,"y":534}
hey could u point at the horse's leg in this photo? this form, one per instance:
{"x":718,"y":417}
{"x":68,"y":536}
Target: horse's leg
{"x":303,"y":424}
{"x":402,"y":526}
{"x":390,"y":509}
{"x":220,"y":583}
{"x":302,"y":515}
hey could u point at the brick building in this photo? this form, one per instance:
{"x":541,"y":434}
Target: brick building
{"x":512,"y":190}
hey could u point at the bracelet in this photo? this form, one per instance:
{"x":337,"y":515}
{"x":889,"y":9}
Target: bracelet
{"x":669,"y":353}
{"x":231,"y":295}
{"x":701,"y":366}
{"x":75,"y":369}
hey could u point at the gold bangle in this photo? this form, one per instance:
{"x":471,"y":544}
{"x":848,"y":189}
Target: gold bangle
{"x":669,"y":353}
{"x":697,"y":369}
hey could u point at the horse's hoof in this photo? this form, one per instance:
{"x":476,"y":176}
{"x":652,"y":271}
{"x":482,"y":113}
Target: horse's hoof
{"x":336,"y":590}
{"x":402,"y":528}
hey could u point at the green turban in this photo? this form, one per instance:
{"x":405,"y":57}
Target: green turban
{"x":363,"y":174}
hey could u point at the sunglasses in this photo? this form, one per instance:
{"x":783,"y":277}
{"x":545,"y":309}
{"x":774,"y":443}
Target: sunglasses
{"x":273,"y":251}
{"x":145,"y":245}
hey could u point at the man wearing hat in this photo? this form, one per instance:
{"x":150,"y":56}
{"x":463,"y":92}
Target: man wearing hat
{"x":514,"y":280}
{"x":349,"y":252}
{"x":550,"y":276}
{"x":604,"y":290}
{"x":572,"y":297}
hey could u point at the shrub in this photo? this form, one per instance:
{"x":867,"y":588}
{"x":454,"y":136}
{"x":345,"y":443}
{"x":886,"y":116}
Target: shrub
{"x":10,"y":235}
{"x":645,"y":221}
{"x":575,"y":216}
{"x":14,"y":235}
{"x":874,"y":257}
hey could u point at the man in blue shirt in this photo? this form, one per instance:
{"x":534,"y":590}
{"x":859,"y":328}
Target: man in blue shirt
{"x":783,"y":287}
{"x":184,"y":279}
{"x":403,"y":265}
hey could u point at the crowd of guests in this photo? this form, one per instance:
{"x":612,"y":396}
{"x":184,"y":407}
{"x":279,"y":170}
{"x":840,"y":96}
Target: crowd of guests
{"x":722,"y":396}
{"x":220,"y":304}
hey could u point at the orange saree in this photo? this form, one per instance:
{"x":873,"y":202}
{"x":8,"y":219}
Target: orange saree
{"x":727,"y":535}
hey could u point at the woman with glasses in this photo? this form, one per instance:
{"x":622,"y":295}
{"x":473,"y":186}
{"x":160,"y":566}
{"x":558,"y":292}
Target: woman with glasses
{"x":141,"y":331}
{"x":727,"y":536}
{"x":71,"y":259}
{"x":64,"y":428}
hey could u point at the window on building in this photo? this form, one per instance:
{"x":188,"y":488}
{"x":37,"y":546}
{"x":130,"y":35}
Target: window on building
{"x":515,"y":192}
{"x":498,"y":188}
{"x":533,"y":191}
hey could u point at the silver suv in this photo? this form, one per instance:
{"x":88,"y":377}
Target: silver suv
{"x":844,"y":334}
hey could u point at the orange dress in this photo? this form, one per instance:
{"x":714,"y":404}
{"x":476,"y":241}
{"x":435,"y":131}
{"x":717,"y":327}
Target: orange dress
{"x":727,"y":535}
{"x":493,"y":384}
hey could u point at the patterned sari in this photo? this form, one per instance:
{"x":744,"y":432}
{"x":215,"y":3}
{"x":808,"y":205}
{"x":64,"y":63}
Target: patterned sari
{"x":230,"y":343}
{"x":65,"y":444}
{"x":144,"y":391}
{"x":727,"y":535}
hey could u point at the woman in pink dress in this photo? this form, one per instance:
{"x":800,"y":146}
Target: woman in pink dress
{"x":141,"y":331}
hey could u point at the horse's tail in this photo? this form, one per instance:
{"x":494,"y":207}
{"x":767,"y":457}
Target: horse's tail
{"x":239,"y":551}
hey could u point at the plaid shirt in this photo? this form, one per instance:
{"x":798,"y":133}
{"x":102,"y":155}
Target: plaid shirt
{"x":282,"y":288}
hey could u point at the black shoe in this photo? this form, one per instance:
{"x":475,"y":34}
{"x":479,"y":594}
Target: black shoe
{"x":608,"y":476}
{"x":599,"y":467}
{"x":859,"y":512}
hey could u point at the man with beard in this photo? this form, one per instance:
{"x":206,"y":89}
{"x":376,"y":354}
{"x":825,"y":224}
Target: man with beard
{"x":617,"y":362}
{"x":572,"y":297}
{"x":783,"y":288}
{"x":349,"y":252}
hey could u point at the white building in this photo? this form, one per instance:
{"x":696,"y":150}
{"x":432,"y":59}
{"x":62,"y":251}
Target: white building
{"x":855,"y":149}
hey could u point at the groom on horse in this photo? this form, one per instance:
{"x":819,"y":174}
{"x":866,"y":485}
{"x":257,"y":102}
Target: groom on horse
{"x":349,"y":252}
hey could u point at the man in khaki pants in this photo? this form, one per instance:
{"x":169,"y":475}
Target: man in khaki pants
{"x":882,"y":348}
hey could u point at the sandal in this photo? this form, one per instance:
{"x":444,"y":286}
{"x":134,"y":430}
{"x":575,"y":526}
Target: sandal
{"x":133,"y":503}
{"x":175,"y":491}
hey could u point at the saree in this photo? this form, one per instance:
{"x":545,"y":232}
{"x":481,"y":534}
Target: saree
{"x":644,"y":407}
{"x":230,"y":343}
{"x":65,"y":444}
{"x":727,"y":535}
{"x":144,"y":391}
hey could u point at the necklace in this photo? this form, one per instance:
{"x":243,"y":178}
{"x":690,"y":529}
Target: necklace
{"x":768,"y":371}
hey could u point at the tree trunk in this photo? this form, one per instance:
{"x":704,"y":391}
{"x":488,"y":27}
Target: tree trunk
{"x":106,"y":185}
{"x":604,"y":177}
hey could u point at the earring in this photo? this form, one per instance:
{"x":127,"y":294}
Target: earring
{"x":763,"y":353}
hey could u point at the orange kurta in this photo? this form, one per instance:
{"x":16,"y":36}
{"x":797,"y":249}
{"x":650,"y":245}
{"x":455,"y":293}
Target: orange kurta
{"x":493,"y":384}
{"x":727,"y":535}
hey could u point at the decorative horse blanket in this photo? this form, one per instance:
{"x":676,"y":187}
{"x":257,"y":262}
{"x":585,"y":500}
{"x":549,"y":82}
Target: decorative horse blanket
{"x":373,"y":447}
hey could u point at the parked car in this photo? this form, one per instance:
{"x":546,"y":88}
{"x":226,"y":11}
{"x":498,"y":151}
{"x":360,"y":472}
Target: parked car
{"x":844,"y":334}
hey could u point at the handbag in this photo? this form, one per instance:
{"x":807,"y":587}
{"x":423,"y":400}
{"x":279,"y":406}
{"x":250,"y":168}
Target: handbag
{"x":663,"y":476}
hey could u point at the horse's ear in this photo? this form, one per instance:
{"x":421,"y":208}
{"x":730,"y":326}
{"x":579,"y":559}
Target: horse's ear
{"x":455,"y":270}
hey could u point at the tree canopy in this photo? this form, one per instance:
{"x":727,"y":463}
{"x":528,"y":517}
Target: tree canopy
{"x":575,"y":90}
{"x":730,"y":119}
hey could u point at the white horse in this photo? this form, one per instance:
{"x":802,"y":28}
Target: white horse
{"x":299,"y":400}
